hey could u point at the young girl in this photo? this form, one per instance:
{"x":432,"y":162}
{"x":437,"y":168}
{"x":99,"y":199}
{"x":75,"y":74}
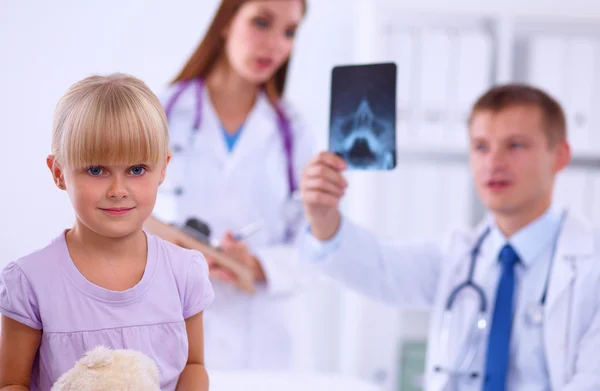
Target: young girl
{"x":105,"y":281}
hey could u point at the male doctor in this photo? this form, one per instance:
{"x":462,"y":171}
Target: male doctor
{"x":535,"y":323}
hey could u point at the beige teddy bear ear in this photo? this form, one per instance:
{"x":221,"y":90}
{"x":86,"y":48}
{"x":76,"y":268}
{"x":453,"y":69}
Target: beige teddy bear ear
{"x":98,"y":357}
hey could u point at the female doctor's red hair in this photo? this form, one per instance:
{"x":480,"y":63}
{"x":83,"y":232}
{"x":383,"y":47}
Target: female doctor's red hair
{"x":212,"y":47}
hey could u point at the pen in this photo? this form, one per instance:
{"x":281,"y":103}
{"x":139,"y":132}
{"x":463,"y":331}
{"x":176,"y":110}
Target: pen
{"x":249,"y":230}
{"x":245,"y":232}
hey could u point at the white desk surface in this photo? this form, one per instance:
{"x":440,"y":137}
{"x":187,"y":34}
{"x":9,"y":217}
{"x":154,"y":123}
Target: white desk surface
{"x":277,"y":381}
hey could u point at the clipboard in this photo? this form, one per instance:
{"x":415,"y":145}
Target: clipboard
{"x":243,"y":273}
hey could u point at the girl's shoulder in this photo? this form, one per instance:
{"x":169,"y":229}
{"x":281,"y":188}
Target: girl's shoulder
{"x":44,"y":261}
{"x":181,"y":261}
{"x":176,"y":256}
{"x":189,"y":268}
{"x":29,"y":279}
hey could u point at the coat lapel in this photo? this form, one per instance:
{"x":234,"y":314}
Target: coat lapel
{"x":209,"y":140}
{"x":575,"y":244}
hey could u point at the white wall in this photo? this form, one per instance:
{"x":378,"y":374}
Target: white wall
{"x":552,"y":9}
{"x":47,"y":46}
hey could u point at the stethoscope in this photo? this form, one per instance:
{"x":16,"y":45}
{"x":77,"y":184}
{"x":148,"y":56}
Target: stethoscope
{"x":293,"y":206}
{"x":534,"y":313}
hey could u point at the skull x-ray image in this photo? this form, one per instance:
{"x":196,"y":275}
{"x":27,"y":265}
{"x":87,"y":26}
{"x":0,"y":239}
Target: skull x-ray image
{"x":363,"y":115}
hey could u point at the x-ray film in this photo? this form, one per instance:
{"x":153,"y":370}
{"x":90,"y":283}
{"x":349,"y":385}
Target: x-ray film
{"x":362,"y":127}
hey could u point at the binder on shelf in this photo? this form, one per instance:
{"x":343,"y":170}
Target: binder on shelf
{"x":473,"y":56}
{"x":581,"y":71}
{"x":435,"y":51}
{"x":401,"y":50}
{"x":547,"y":65}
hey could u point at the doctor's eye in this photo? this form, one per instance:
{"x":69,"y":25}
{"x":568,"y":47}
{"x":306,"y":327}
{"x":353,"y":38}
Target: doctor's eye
{"x":137,"y":170}
{"x":480,"y":147}
{"x":95,"y":171}
{"x":261,"y":22}
{"x":290,"y":33}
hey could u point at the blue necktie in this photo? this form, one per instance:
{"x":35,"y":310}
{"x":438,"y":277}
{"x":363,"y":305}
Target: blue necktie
{"x":496,"y":366}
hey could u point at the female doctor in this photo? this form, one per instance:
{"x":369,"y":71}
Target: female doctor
{"x":515,"y":301}
{"x":237,"y":153}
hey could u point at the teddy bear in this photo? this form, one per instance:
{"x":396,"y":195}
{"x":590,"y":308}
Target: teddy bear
{"x":104,"y":369}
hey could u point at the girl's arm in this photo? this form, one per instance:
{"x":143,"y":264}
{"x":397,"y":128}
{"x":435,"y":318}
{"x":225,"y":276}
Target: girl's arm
{"x":194,"y":376}
{"x":18,"y":347}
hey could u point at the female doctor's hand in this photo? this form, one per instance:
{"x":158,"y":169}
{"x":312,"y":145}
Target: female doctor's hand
{"x":322,"y":186}
{"x":239,"y":251}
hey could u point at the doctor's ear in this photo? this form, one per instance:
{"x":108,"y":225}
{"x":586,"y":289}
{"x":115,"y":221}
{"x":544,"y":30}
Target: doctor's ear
{"x":57,"y":174}
{"x":564,"y":154}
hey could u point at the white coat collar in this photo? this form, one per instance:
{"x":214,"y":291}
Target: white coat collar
{"x":260,"y":124}
{"x":575,"y":243}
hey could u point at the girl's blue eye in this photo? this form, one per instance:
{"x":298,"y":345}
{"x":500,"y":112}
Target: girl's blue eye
{"x":95,"y":171}
{"x":138,"y":170}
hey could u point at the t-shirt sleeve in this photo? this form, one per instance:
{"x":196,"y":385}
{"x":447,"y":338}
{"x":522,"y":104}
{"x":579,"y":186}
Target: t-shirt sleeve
{"x":17,"y":299}
{"x":198,"y":292}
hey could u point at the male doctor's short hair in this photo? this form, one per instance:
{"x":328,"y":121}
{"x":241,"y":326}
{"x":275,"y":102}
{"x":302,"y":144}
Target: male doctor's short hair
{"x":505,"y":96}
{"x":104,"y":120}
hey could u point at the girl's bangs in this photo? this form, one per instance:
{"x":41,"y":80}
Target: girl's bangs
{"x":115,"y":131}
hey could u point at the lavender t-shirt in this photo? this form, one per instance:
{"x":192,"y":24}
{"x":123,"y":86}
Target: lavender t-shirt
{"x":45,"y":290}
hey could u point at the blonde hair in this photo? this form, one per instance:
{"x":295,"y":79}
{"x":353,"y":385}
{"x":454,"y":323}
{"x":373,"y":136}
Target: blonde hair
{"x":104,"y":120}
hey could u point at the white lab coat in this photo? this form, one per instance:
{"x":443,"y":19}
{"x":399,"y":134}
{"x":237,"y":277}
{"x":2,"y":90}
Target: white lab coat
{"x":423,"y":275}
{"x":228,"y":191}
